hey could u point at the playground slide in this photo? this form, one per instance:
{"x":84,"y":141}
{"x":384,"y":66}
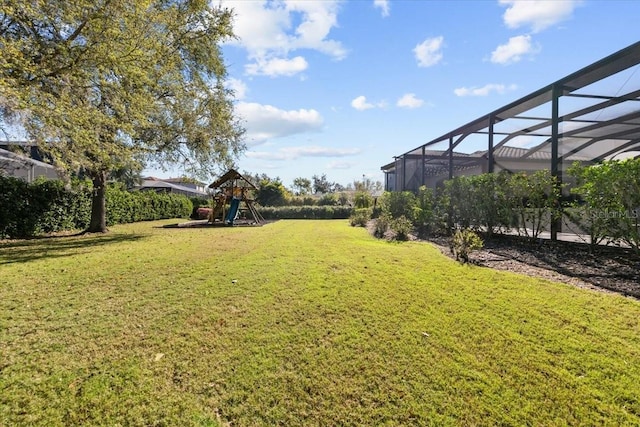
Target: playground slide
{"x":233,"y":211}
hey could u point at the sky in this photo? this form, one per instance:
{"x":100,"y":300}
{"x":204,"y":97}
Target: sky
{"x":340,"y":87}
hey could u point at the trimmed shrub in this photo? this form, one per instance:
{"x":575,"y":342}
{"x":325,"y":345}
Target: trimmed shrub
{"x":41,"y":207}
{"x":402,"y":227}
{"x":362,"y":199}
{"x":382,"y":225}
{"x":61,"y":207}
{"x":47,"y":206}
{"x":302,"y":201}
{"x":534,"y":200}
{"x":360,"y":217}
{"x":125,"y":207}
{"x":306,"y":212}
{"x":609,"y":206}
{"x":398,"y":203}
{"x":424,"y":211}
{"x":464,"y":242}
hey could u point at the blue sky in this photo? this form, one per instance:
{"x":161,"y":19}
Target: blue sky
{"x":340,"y":87}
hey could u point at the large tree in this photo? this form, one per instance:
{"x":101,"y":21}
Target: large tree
{"x":98,"y":84}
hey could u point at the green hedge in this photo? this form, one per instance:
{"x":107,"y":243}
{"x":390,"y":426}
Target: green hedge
{"x":306,"y":212}
{"x":41,"y":207}
{"x":124,"y":207}
{"x":27,"y":210}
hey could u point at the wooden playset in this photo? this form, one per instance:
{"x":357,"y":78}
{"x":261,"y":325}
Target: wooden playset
{"x":233,"y":204}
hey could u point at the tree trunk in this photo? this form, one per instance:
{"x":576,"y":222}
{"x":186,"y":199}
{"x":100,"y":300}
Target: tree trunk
{"x":98,"y":222}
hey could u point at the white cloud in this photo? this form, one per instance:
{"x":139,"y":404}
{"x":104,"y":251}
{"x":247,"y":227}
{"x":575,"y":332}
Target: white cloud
{"x":538,"y":14}
{"x":238,"y":87}
{"x":339,"y":164}
{"x":264,"y":122}
{"x":277,"y":66}
{"x":484,"y":90}
{"x":383,"y":5}
{"x":269,"y":30}
{"x":292,"y":153}
{"x":360,"y":103}
{"x":409,"y":100}
{"x":429,"y":52}
{"x":514,"y":50}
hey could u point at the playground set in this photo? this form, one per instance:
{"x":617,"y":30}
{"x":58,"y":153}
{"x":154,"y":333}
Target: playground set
{"x":234,"y":190}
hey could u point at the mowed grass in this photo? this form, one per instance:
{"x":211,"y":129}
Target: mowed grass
{"x":300,"y":323}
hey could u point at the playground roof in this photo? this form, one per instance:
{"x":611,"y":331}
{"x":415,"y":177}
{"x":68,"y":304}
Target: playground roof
{"x":592,"y":114}
{"x":230,"y":177}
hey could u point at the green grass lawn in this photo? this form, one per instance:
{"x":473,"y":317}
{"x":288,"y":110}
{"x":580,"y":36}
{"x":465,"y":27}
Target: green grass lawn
{"x":300,"y":323}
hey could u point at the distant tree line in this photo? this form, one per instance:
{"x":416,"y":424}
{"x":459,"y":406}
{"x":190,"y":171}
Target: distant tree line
{"x":317,"y":191}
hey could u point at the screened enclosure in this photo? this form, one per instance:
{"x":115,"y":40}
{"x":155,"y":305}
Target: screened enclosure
{"x":588,"y":116}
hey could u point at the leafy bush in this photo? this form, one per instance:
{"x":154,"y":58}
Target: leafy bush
{"x":402,"y":227}
{"x":457,"y":202}
{"x":478,"y":202}
{"x":534,"y":200}
{"x":424,"y":211}
{"x":61,"y":207}
{"x":360,"y":217}
{"x":464,"y":242}
{"x":362,"y":200}
{"x":329,"y":199}
{"x":376,"y":211}
{"x":41,"y":207}
{"x":610,"y":201}
{"x":398,"y":203}
{"x":488,"y":200}
{"x":382,"y":225}
{"x":272,"y":193}
{"x":343,"y":199}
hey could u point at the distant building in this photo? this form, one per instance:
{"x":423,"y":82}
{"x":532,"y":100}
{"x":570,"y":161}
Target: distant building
{"x":22,"y":166}
{"x":196,"y":185}
{"x":173,"y":186}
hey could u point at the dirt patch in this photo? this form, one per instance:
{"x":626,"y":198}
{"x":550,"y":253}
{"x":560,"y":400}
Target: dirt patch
{"x":607,"y":269}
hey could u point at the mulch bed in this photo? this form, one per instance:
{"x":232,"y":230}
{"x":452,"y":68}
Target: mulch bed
{"x":604,"y":268}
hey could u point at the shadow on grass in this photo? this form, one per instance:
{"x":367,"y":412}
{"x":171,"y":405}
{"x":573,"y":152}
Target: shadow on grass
{"x":56,"y":247}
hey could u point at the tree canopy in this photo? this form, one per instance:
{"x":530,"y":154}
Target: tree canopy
{"x":97,"y":84}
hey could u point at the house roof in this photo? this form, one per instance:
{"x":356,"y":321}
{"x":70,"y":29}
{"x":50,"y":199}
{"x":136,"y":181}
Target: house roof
{"x":157,"y":183}
{"x":14,"y":157}
{"x":183,"y":180}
